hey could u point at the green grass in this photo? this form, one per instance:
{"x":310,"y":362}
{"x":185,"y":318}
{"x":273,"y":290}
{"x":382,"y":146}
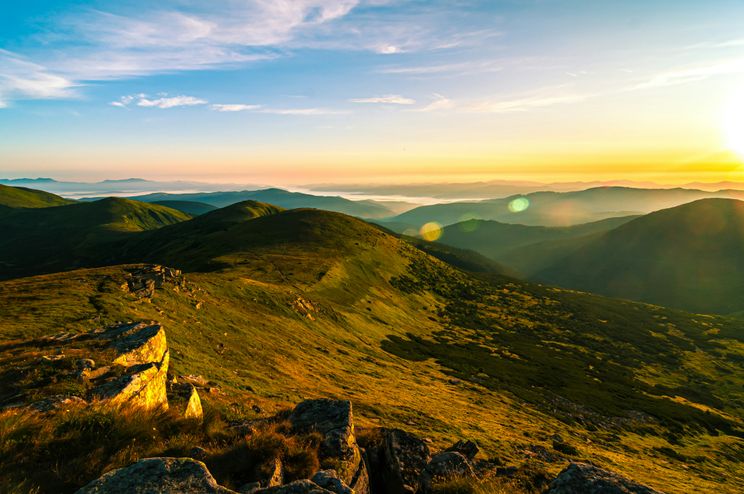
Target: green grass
{"x":21,"y":197}
{"x":300,"y":304}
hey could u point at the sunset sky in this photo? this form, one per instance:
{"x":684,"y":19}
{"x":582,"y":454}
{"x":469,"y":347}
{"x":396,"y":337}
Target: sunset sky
{"x":291,"y":92}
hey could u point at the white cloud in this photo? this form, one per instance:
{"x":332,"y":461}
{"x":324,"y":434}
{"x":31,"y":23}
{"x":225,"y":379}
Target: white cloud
{"x":300,"y":111}
{"x":440,"y":103}
{"x":21,"y":78}
{"x":390,"y":99}
{"x":538,"y":99}
{"x":693,"y":74}
{"x":164,"y":102}
{"x":235,"y":107}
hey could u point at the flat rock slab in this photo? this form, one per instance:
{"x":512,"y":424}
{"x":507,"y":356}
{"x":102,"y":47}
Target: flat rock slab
{"x":587,"y":479}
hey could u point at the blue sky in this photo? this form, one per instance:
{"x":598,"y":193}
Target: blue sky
{"x":319,"y":90}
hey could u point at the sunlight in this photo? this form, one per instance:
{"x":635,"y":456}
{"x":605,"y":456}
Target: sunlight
{"x":431,"y":231}
{"x":733,"y":124}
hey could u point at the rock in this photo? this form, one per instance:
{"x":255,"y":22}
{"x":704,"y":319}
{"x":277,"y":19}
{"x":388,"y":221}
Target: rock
{"x":250,"y":488}
{"x":588,"y":479}
{"x":157,"y":476}
{"x":193,"y":406}
{"x":468,"y":449}
{"x":58,"y":402}
{"x":334,"y":420}
{"x":404,"y":458}
{"x":198,"y":453}
{"x":276,"y":474}
{"x":296,"y":487}
{"x":564,"y":447}
{"x":328,"y":479}
{"x":445,"y":466}
{"x":144,"y":386}
{"x":361,"y":483}
{"x":138,"y":343}
{"x":85,"y":363}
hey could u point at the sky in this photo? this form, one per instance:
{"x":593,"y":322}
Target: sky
{"x":324,"y":91}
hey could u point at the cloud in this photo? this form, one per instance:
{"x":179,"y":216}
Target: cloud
{"x":390,"y":99}
{"x":539,"y":99}
{"x":235,"y":107}
{"x":693,"y":74}
{"x":440,"y":103}
{"x":164,"y":102}
{"x":23,"y":79}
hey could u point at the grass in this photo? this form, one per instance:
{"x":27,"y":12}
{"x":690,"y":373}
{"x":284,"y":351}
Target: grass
{"x":419,"y":345}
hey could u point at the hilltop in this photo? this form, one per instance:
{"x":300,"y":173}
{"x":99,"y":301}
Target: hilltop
{"x":687,"y":256}
{"x":280,"y":306}
{"x":20,"y":197}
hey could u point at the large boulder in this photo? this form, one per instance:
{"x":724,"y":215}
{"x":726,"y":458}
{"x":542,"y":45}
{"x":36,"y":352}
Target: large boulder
{"x":404,"y":458}
{"x":328,"y":479}
{"x":141,"y":386}
{"x":296,"y":487}
{"x":137,"y":343}
{"x":589,"y":479}
{"x":443,"y":467}
{"x":468,"y":449}
{"x":157,"y":476}
{"x":334,"y":420}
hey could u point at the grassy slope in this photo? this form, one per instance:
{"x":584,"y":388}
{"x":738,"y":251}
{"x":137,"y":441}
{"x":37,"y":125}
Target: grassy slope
{"x":688,"y":257}
{"x":192,"y":208}
{"x":417,"y":344}
{"x":49,"y":239}
{"x":21,"y":197}
{"x":497,"y":240}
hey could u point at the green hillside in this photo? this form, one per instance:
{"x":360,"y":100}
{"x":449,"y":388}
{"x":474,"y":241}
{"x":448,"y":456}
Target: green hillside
{"x":280,"y":306}
{"x":279,"y":197}
{"x":192,"y":208}
{"x":559,"y":208}
{"x":501,"y":240}
{"x":21,"y":197}
{"x":64,"y":237}
{"x":688,"y":257}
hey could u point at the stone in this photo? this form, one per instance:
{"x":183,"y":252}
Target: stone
{"x":138,"y":343}
{"x":328,"y":479}
{"x":468,"y":449}
{"x":589,"y":479}
{"x":296,"y":487}
{"x":443,"y":467}
{"x":404,"y":458}
{"x":193,"y":409}
{"x":198,"y":453}
{"x":361,"y":483}
{"x":334,"y":420}
{"x":144,"y":387}
{"x":157,"y":476}
{"x":276,"y":474}
{"x":250,"y":488}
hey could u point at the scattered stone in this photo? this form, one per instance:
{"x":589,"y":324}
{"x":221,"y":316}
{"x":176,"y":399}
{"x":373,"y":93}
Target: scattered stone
{"x":443,"y":467}
{"x":193,"y":406}
{"x":328,"y":479}
{"x":468,"y":449}
{"x":198,"y":453}
{"x":58,"y":402}
{"x":589,"y":479}
{"x":404,"y":458}
{"x":334,"y":420}
{"x":250,"y":488}
{"x":157,"y":476}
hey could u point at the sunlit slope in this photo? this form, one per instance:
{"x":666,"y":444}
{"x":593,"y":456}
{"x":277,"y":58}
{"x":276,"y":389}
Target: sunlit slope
{"x":21,"y":197}
{"x":296,"y":304}
{"x":559,"y":208}
{"x":192,"y":208}
{"x":689,"y":257}
{"x":53,"y":238}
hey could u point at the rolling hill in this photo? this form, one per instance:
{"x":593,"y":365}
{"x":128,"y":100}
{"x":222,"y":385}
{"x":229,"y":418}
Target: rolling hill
{"x":689,"y":257}
{"x":279,"y":197}
{"x":191,"y":208}
{"x":53,"y":238}
{"x":280,"y":306}
{"x":21,"y":197}
{"x":558,"y":208}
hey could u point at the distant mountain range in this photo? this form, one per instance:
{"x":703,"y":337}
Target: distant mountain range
{"x":557,"y":208}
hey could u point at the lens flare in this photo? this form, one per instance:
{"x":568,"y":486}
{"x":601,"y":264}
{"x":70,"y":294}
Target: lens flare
{"x":519,"y":204}
{"x":431,"y":231}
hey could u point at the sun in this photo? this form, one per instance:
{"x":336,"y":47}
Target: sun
{"x":733,"y":124}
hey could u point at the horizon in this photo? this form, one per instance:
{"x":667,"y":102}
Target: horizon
{"x":344,"y":92}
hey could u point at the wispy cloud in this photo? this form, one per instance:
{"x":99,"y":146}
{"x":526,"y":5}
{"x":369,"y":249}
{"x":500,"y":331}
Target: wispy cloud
{"x":440,"y":103}
{"x":693,"y":74}
{"x":163,"y":102}
{"x":461,"y":68}
{"x":542,"y":98}
{"x":21,"y":78}
{"x":235,"y":107}
{"x":389,"y":99}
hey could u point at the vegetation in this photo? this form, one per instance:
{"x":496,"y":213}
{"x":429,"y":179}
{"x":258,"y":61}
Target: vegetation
{"x":20,"y":197}
{"x":191,"y":208}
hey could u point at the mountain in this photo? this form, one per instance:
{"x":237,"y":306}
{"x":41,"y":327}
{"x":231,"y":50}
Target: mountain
{"x":280,"y":197}
{"x":63,"y":237}
{"x":192,"y":208}
{"x":20,"y":197}
{"x":559,"y":209}
{"x":499,"y":241}
{"x":689,"y":256}
{"x":277,"y":306}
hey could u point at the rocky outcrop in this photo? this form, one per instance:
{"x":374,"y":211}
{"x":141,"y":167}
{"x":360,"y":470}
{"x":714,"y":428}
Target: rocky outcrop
{"x":296,"y":487}
{"x":157,"y":476}
{"x":443,"y":467}
{"x":328,"y":479}
{"x":589,"y":479}
{"x":143,"y":281}
{"x":334,"y":420}
{"x":404,"y":458}
{"x":468,"y":449}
